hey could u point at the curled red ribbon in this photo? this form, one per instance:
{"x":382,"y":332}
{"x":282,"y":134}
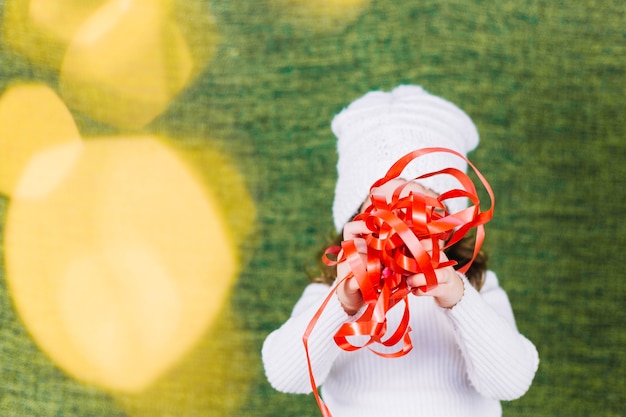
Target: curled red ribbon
{"x":395,"y":251}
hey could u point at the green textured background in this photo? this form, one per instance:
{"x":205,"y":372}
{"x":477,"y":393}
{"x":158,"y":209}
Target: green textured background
{"x":545,"y":84}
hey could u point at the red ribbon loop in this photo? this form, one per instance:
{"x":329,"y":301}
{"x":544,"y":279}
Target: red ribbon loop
{"x":395,"y":252}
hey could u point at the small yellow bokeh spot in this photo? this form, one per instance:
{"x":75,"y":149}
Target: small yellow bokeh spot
{"x":119,"y":270}
{"x":52,"y":137}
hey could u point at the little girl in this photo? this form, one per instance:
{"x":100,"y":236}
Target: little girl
{"x":467,"y":353}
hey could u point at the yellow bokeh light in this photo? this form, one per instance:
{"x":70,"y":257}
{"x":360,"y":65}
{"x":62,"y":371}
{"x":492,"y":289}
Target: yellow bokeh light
{"x":59,"y":19}
{"x":121,"y":62}
{"x":212,"y":380}
{"x":119,"y":270}
{"x":120,"y":252}
{"x":125,"y":63}
{"x":41,"y":29}
{"x":52,"y":136}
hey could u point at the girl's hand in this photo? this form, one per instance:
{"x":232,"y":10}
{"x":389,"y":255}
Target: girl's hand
{"x":450,"y":289}
{"x":348,"y":290}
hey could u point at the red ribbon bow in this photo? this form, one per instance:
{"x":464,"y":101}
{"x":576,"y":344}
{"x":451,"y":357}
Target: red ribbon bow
{"x":394,"y":252}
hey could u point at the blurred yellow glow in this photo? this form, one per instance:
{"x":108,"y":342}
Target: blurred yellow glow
{"x":120,"y":61}
{"x":119,"y":270}
{"x":41,"y":29}
{"x":51,"y":138}
{"x":59,"y":19}
{"x":46,"y":169}
{"x":213,"y":380}
{"x":217,"y":372}
{"x":126,"y":63}
{"x":319,"y":15}
{"x":132,"y":311}
{"x":226,"y":182}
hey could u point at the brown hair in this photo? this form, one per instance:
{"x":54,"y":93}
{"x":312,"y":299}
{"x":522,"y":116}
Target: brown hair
{"x":461,"y":252}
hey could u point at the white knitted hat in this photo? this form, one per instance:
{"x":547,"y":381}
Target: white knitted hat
{"x":379,"y":128}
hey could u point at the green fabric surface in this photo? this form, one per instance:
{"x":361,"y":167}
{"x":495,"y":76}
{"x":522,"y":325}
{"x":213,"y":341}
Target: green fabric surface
{"x":545,"y":84}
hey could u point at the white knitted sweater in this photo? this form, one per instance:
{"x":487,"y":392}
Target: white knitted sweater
{"x":464,"y":360}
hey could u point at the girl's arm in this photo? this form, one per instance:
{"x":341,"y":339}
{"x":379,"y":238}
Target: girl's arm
{"x":501,"y":363}
{"x":283,"y":353}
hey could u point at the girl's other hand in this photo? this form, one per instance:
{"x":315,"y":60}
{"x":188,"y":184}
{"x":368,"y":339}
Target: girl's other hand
{"x":449,"y":290}
{"x":348,"y":291}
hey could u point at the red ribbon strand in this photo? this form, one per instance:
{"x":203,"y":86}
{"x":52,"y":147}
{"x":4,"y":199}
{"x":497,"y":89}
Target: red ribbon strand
{"x":395,"y":252}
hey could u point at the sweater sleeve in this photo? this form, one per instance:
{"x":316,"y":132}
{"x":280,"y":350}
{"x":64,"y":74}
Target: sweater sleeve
{"x":501,"y":363}
{"x":283,"y":354}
